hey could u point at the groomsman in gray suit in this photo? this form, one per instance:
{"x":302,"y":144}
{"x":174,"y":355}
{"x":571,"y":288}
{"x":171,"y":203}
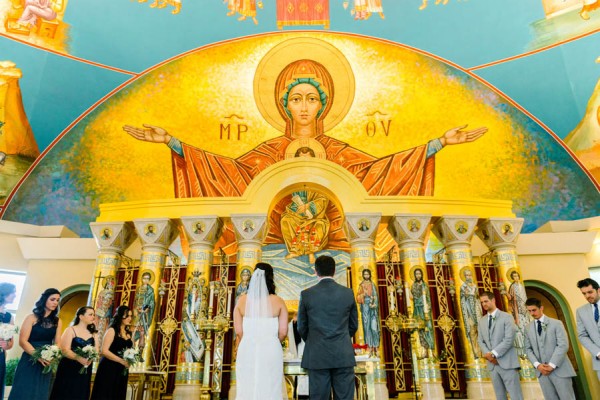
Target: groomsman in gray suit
{"x":588,"y":321}
{"x":546,"y":344}
{"x":327,"y":321}
{"x":497,"y":332}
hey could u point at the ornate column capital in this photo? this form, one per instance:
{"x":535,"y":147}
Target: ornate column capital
{"x":250,"y":228}
{"x":113,"y":237}
{"x":202,"y":230}
{"x":156,"y":233}
{"x":361,"y":228}
{"x":409,"y":229}
{"x":455,"y":229}
{"x":500,"y":232}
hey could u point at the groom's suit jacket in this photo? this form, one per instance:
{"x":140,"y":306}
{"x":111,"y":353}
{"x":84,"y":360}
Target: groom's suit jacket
{"x":589,"y":333}
{"x":550,"y":346}
{"x":500,"y":339}
{"x":327,"y":321}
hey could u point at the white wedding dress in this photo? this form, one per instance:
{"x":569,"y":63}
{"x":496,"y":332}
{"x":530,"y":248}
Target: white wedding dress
{"x":259,"y":363}
{"x":259,"y":367}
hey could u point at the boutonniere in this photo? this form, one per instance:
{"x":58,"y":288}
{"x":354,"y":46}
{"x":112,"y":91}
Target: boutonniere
{"x":544,"y":326}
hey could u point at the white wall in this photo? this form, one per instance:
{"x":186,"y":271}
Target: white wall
{"x":50,"y":256}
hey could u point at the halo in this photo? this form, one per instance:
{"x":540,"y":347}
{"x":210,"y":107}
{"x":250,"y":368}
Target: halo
{"x":411,"y":273}
{"x":462,"y":272}
{"x":289,"y":51}
{"x":510,"y":272}
{"x":314,"y":145}
{"x":244,"y":269}
{"x":106,"y":233}
{"x":150,"y":230}
{"x":151,"y":276}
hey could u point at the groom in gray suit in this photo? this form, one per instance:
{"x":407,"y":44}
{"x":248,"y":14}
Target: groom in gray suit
{"x":327,"y":321}
{"x":588,"y":321}
{"x":497,"y":332}
{"x":546,"y":344}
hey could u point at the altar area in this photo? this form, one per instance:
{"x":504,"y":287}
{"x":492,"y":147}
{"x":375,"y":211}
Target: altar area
{"x":408,"y":259}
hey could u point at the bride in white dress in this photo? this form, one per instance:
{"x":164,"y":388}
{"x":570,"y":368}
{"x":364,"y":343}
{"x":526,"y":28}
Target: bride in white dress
{"x":260,"y":320}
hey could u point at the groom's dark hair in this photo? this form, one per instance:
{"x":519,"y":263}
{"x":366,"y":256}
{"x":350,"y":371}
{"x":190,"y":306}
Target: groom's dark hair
{"x":325,"y":266}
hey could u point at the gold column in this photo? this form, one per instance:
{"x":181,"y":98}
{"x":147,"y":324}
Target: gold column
{"x":250,"y":231}
{"x":456,"y":233}
{"x":202,"y":232}
{"x":361,"y":231}
{"x":500,"y":235}
{"x":112,"y":238}
{"x":156,"y":236}
{"x":411,"y":231}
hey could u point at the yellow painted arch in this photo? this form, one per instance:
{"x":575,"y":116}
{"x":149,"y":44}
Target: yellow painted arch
{"x":290,"y":175}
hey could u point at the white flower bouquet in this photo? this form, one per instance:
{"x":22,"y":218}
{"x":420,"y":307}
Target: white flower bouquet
{"x":132,"y":356}
{"x":88,"y":352}
{"x":50,"y":353}
{"x":8,"y":331}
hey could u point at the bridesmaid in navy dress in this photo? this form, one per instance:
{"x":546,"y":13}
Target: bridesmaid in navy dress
{"x":112,"y":374}
{"x":69,"y":383}
{"x":8,"y":292}
{"x":40,"y":328}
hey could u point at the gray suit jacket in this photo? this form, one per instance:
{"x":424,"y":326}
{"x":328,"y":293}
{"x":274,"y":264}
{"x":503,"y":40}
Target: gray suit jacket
{"x":549,"y":347}
{"x":500,"y":339}
{"x":589,"y":333}
{"x":327,"y":321}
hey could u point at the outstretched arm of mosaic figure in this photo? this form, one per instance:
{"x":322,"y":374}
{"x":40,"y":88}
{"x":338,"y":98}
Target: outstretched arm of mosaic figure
{"x":459,"y":136}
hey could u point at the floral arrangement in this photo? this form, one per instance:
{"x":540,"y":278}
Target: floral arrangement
{"x":7,"y":331}
{"x":132,"y":356}
{"x":50,"y":353}
{"x":88,"y":352}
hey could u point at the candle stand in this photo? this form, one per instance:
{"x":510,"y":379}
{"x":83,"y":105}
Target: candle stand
{"x":211,"y":326}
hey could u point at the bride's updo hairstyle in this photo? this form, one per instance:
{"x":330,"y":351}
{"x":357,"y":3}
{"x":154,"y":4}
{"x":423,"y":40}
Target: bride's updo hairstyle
{"x":268,"y":276}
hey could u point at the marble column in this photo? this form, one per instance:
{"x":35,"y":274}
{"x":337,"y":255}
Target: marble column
{"x":202,"y":232}
{"x":456,"y":233}
{"x":501,"y":235}
{"x":156,"y":235}
{"x":411,"y":231}
{"x":361,"y":231}
{"x":250,"y":231}
{"x":112,"y":238}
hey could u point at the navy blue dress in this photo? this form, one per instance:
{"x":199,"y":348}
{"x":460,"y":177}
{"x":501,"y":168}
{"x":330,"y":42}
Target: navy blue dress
{"x":5,"y":318}
{"x":111,"y":382}
{"x":69,"y":384}
{"x":30,"y":383}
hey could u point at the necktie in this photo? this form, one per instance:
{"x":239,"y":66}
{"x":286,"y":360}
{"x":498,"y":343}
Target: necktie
{"x":490,"y":322}
{"x":596,"y":315}
{"x":539,"y":327}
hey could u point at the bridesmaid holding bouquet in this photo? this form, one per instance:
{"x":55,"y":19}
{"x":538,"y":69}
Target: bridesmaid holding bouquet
{"x":112,"y":374}
{"x":38,"y":329}
{"x":79,"y":345}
